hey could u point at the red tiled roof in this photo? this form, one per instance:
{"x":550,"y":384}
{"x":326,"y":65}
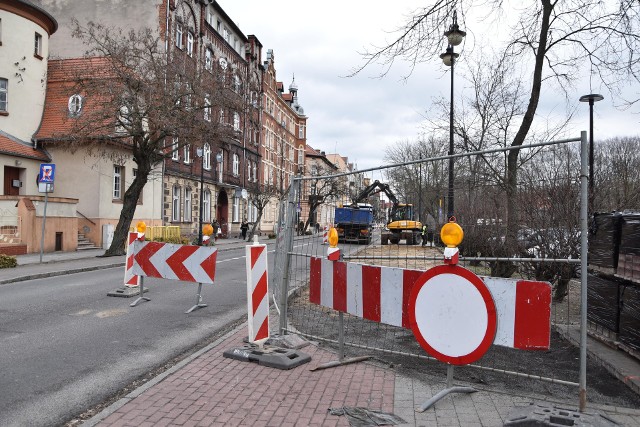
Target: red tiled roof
{"x":287,"y":96}
{"x":56,"y":122}
{"x":14,"y":147}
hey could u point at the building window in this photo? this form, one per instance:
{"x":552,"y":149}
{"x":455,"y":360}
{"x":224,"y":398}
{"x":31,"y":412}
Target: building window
{"x":236,"y":164}
{"x":226,"y":35}
{"x":236,"y":83}
{"x":75,"y":105}
{"x":118,"y":172}
{"x":174,"y":150}
{"x":236,"y":209}
{"x":175,"y":205}
{"x":249,"y":171}
{"x":179,"y":41}
{"x":236,"y":121}
{"x":219,"y":27}
{"x":301,"y":155}
{"x":206,"y":159}
{"x":206,"y":206}
{"x":38,"y":46}
{"x":301,"y":131}
{"x":220,"y":166}
{"x":189,"y":43}
{"x":221,"y":116}
{"x":255,"y":172}
{"x":4,"y":95}
{"x":207,"y":107}
{"x":208,"y":59}
{"x":187,"y":204}
{"x":187,"y":153}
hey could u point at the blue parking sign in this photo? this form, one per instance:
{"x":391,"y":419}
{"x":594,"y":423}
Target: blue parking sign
{"x":47,"y":173}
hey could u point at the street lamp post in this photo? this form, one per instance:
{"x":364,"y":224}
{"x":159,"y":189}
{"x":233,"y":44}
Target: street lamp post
{"x":591,"y":99}
{"x":200,"y":153}
{"x":454,"y":37}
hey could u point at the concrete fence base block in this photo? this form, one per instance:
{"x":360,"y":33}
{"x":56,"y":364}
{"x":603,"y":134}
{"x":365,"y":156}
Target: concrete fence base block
{"x":541,"y":415}
{"x":126,"y":292}
{"x":272,"y":357}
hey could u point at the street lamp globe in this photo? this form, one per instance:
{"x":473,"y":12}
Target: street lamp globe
{"x":455,"y":35}
{"x":449,"y":56}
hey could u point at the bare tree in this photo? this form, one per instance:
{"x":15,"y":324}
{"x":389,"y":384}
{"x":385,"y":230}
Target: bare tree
{"x":424,"y":184}
{"x":617,"y":174}
{"x":145,"y":101}
{"x":260,"y":196}
{"x":322,"y":190}
{"x":548,"y":196}
{"x":551,"y":38}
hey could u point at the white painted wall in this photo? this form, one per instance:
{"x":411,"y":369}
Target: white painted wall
{"x":26,"y":74}
{"x":90,"y":180}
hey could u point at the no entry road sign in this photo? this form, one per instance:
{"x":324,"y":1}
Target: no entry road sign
{"x":453,"y":315}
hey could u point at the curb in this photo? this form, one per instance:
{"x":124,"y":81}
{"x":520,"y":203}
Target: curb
{"x":59,"y":273}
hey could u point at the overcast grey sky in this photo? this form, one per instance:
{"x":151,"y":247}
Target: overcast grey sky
{"x":359,"y":116}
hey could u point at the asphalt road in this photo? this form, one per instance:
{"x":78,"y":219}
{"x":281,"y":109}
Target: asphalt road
{"x":66,"y":346}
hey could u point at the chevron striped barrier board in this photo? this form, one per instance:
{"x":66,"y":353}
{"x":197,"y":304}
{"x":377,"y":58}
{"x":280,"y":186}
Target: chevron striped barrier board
{"x":382,"y":294}
{"x":130,"y":279}
{"x":257,"y":293}
{"x":175,"y":262}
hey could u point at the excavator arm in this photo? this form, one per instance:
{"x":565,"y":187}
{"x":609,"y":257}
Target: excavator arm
{"x":374,"y":188}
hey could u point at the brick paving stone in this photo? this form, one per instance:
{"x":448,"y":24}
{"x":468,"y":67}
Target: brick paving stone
{"x":213,"y":390}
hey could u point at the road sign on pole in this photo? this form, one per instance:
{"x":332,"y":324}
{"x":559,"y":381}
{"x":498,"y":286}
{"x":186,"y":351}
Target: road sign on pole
{"x":46,"y":177}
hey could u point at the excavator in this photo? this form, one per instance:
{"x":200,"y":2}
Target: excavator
{"x":401,"y":223}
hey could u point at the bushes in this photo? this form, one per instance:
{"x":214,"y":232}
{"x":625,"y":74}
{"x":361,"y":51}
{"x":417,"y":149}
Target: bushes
{"x":7,"y":261}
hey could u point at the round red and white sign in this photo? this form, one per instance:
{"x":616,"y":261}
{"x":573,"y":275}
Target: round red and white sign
{"x":453,"y":315}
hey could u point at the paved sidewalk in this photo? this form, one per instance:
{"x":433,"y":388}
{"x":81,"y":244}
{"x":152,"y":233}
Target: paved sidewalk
{"x":210,"y":390}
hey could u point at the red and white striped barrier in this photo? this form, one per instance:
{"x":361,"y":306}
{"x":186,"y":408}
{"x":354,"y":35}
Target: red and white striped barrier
{"x":130,"y":279}
{"x":176,"y":262}
{"x":382,"y":294}
{"x":257,"y":293}
{"x":325,"y":235}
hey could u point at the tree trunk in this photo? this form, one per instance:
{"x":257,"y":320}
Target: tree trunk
{"x":255,"y":226}
{"x":129,"y":204}
{"x":518,"y":140}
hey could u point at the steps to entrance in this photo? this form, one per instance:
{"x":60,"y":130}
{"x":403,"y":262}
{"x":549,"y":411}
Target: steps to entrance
{"x":84,"y":243}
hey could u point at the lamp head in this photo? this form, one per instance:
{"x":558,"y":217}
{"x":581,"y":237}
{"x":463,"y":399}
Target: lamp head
{"x":455,"y":35}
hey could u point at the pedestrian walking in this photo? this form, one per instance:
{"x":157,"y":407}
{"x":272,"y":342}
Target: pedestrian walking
{"x":243,"y":228}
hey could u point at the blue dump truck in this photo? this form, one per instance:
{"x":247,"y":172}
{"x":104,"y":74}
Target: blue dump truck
{"x":354,"y":224}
